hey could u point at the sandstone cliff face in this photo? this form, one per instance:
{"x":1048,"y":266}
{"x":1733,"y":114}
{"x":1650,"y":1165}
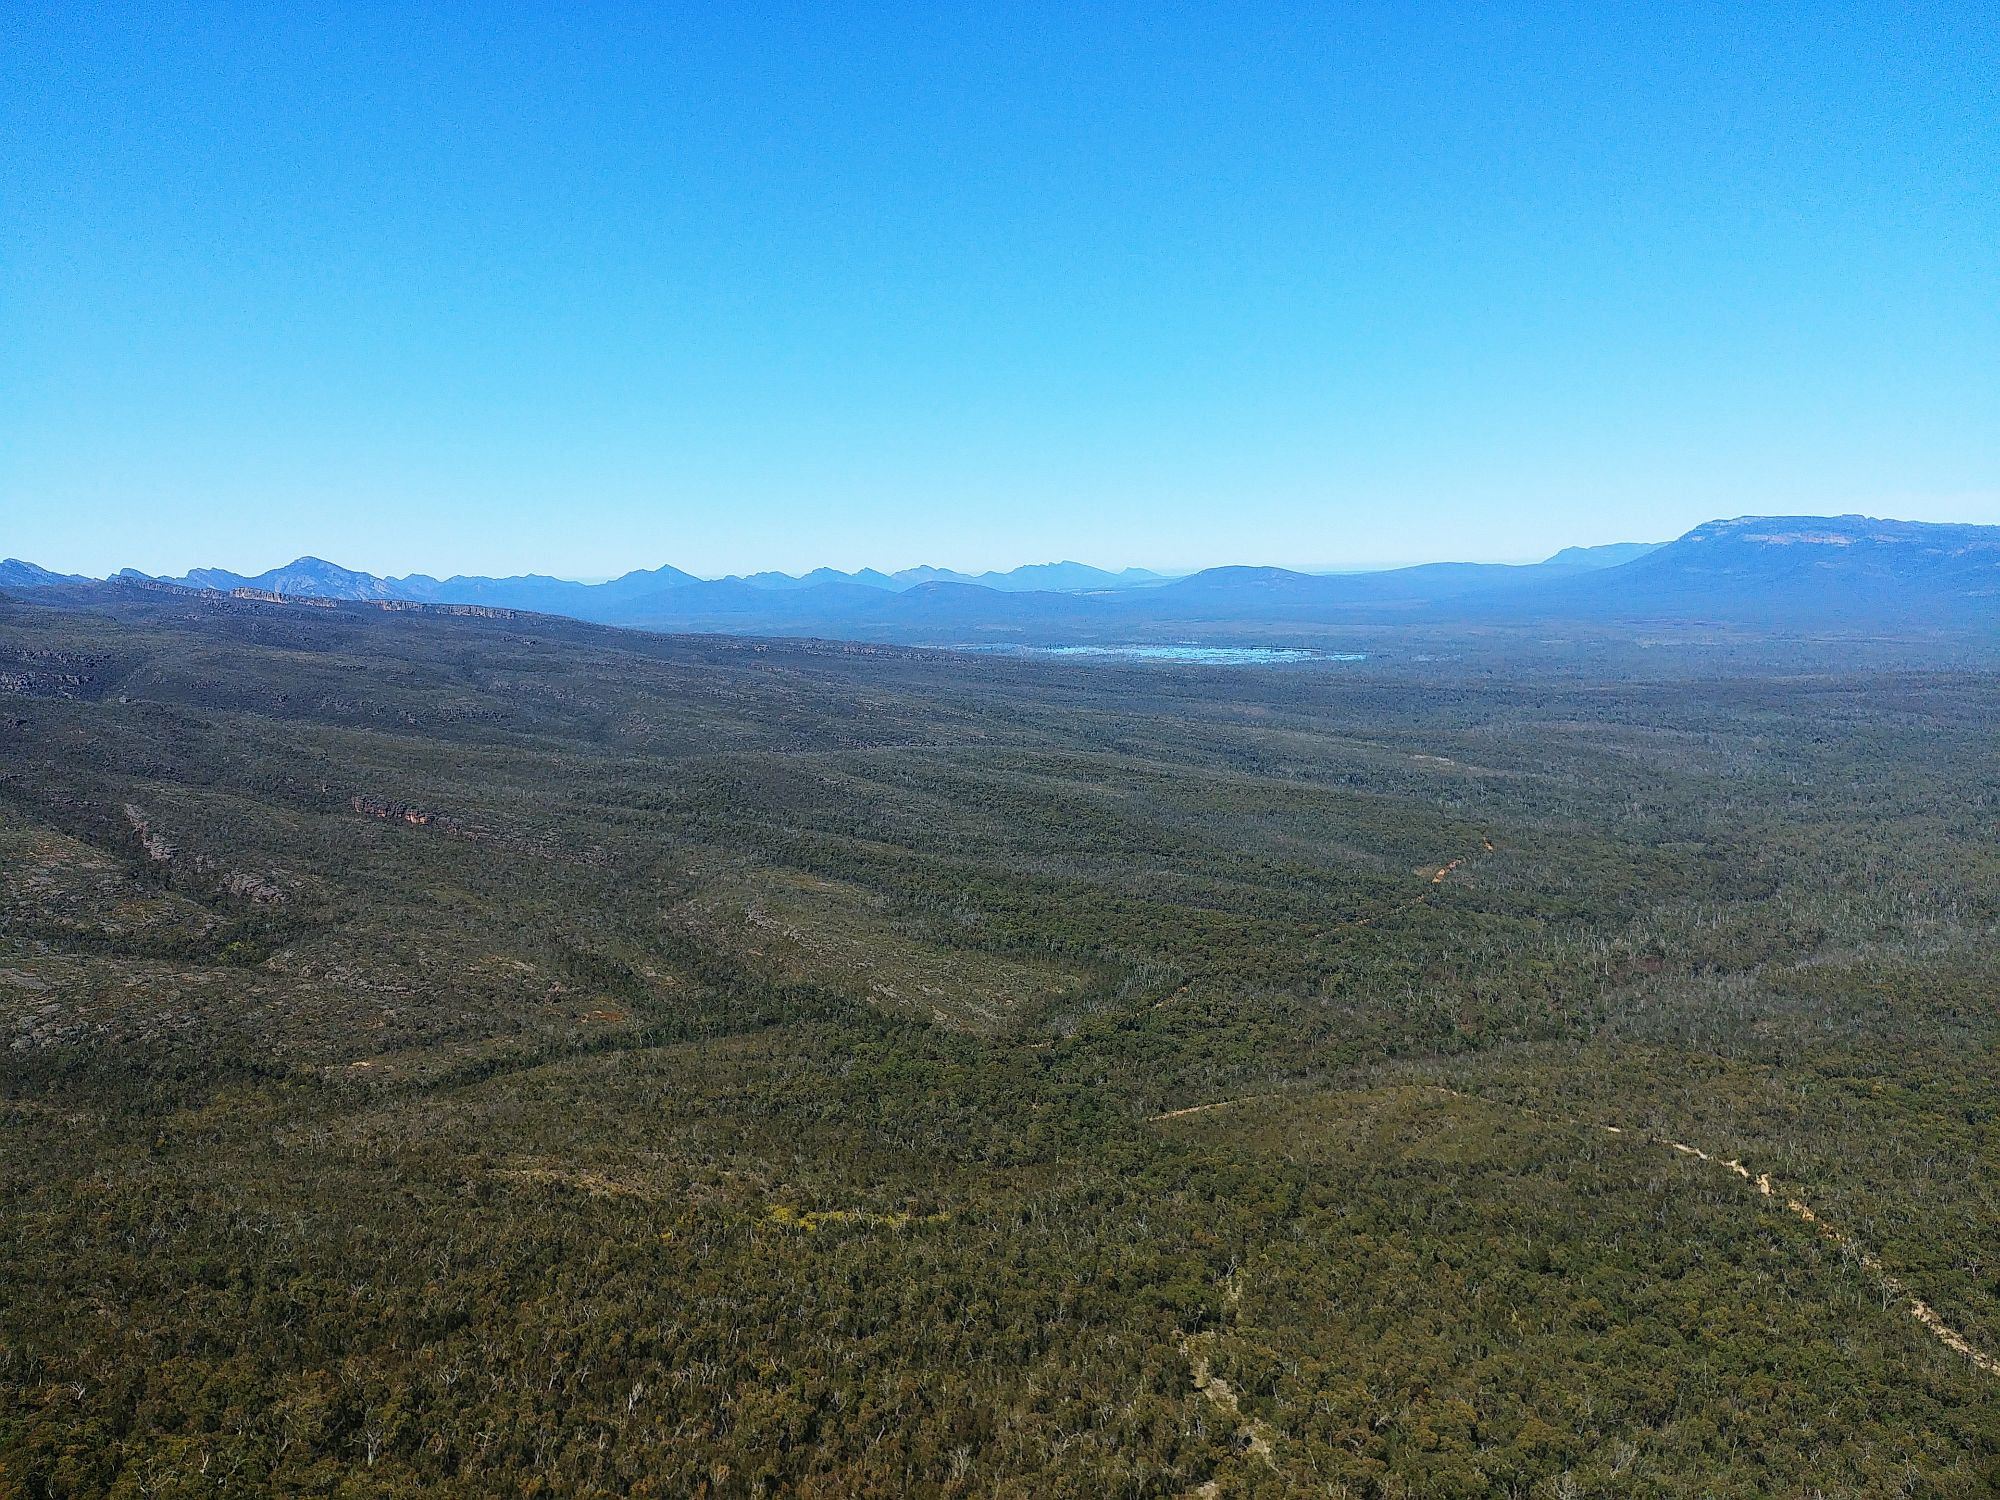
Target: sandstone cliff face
{"x":396,"y":606}
{"x":402,"y":812}
{"x":160,"y":849}
{"x":252,"y":888}
{"x":266,"y":596}
{"x":474,"y":611}
{"x":544,"y":846}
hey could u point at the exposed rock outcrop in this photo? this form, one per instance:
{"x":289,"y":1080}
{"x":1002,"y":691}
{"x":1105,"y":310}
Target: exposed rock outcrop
{"x":160,"y":849}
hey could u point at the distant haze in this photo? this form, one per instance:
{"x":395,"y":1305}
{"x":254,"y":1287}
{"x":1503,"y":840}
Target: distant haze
{"x":1845,"y":572}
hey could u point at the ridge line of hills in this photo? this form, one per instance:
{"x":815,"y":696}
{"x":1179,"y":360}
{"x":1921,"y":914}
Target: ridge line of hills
{"x":1813,"y":570}
{"x":316,"y":578}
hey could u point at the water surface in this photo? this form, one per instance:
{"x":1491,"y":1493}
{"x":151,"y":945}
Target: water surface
{"x":1219,"y":656}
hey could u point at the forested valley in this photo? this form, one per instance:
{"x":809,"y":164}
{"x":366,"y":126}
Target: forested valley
{"x":469,"y":1054}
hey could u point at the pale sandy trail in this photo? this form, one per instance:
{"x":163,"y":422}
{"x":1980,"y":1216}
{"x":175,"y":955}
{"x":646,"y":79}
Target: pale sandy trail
{"x":1196,"y":1109}
{"x":1218,"y":1390}
{"x":1437,"y":879}
{"x":1917,"y":1308}
{"x":1255,"y":1435}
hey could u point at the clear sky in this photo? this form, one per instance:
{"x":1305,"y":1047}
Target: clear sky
{"x":580,"y":289}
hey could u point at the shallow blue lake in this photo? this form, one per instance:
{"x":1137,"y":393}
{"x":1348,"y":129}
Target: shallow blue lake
{"x":1218,"y":656}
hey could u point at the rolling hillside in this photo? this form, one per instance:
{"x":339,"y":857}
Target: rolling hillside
{"x":473,"y":1054}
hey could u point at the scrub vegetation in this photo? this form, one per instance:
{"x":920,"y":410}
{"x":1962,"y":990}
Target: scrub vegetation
{"x":472,"y":1056}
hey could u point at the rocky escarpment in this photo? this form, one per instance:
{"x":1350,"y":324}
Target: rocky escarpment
{"x":393,"y":606}
{"x":417,"y":817}
{"x":473,"y":611}
{"x":159,"y":849}
{"x":52,"y":674}
{"x":546,"y":846}
{"x":267,"y":596}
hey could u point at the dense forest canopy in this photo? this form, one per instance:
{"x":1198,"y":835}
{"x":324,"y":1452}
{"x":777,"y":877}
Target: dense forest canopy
{"x":468,"y":1056}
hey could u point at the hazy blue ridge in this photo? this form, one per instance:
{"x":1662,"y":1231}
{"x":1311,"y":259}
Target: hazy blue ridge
{"x":15,"y":574}
{"x":1752,"y":570}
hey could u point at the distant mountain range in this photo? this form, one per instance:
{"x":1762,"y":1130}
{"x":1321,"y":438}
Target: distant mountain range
{"x":1798,"y":570}
{"x":1061,"y":577}
{"x":314,"y":578}
{"x":614,"y":600}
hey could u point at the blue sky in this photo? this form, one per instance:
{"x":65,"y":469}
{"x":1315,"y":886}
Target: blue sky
{"x":485,"y":289}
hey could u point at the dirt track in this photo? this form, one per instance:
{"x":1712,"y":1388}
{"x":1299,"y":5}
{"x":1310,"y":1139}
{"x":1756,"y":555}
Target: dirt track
{"x":1917,"y":1308}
